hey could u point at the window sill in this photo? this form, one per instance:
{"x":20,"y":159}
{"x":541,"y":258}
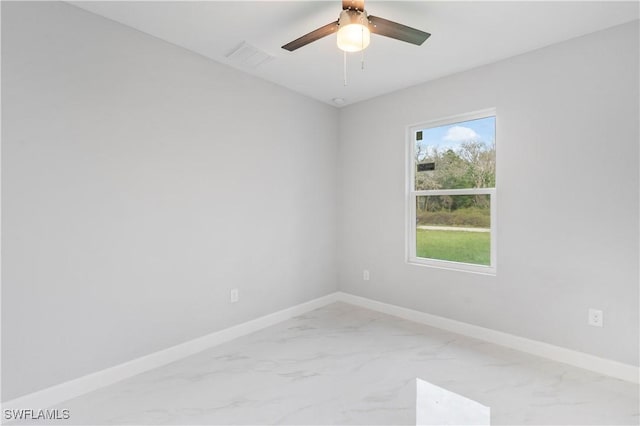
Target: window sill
{"x":453,"y":266}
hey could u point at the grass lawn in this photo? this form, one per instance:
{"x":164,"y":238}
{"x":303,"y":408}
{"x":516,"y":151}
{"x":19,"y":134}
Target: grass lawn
{"x":457,"y":246}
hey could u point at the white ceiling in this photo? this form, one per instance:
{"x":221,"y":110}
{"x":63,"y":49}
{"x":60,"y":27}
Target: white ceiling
{"x":464,"y":35}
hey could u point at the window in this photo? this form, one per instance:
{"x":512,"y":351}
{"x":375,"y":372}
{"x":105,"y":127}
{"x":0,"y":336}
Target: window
{"x":452,"y":195}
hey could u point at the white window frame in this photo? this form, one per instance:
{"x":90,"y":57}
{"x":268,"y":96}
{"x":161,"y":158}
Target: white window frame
{"x":412,"y":196}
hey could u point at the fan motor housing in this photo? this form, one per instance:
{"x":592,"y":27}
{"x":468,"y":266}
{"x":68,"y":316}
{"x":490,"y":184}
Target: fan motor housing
{"x":353,"y":16}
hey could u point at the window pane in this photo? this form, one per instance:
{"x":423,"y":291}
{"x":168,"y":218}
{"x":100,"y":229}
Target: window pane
{"x":456,"y":228}
{"x":459,"y":155}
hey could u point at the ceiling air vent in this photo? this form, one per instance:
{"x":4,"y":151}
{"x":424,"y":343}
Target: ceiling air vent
{"x":248,"y":56}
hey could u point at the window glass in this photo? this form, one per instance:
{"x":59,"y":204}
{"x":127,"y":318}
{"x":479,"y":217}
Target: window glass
{"x":455,"y":156}
{"x":455,"y":228}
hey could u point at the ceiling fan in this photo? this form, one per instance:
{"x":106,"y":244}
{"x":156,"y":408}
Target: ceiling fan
{"x":354,"y":28}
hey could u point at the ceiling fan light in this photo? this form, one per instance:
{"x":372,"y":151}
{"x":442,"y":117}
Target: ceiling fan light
{"x":353,"y":37}
{"x":353,"y":31}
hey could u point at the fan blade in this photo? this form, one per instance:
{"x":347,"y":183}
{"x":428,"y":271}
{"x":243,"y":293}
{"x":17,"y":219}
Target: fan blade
{"x":398,"y":31}
{"x":353,"y":4}
{"x":312,"y":36}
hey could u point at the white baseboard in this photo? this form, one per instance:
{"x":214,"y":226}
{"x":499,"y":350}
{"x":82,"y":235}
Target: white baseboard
{"x":54,"y":395}
{"x":583,"y":360}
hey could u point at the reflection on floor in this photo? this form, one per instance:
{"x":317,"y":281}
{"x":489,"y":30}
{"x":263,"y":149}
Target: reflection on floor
{"x":438,"y":406}
{"x":346,"y":365}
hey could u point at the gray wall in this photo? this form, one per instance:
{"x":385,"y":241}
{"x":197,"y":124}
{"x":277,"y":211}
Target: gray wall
{"x":567,"y":136}
{"x":140,"y":183}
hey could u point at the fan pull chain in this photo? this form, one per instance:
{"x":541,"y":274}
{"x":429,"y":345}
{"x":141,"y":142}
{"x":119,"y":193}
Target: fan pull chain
{"x":362,"y":45}
{"x":344,"y":66}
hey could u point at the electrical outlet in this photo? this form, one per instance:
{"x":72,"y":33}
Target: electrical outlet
{"x":596,"y":317}
{"x":234,"y":295}
{"x":365,"y":275}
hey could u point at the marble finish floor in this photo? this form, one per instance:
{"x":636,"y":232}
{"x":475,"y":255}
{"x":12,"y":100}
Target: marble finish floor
{"x":342,"y":364}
